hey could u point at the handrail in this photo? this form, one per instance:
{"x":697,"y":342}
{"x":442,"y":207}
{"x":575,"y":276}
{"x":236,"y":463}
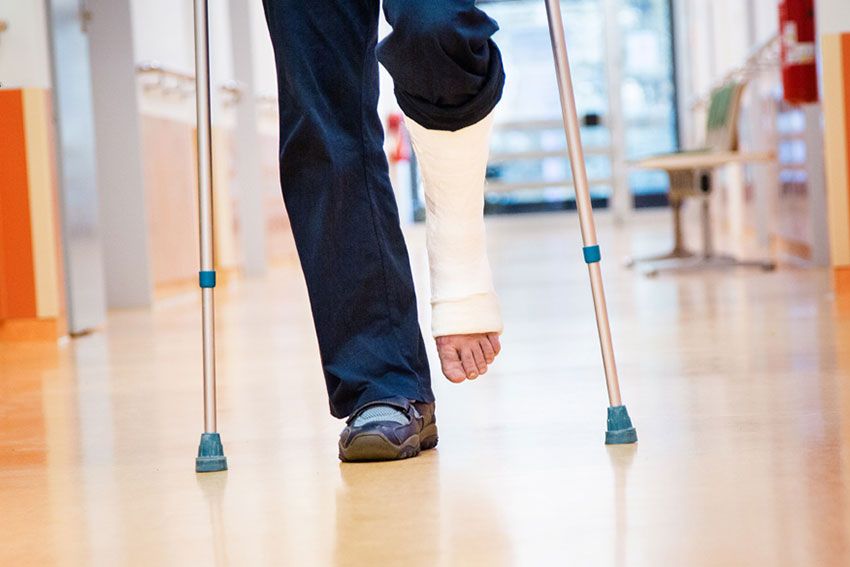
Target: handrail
{"x":266,"y":100}
{"x":764,"y":56}
{"x":156,"y":68}
{"x":171,"y":81}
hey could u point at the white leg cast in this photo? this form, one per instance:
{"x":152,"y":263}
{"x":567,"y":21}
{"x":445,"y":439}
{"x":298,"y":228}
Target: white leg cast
{"x":453,"y":166}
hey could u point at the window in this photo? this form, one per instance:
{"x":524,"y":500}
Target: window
{"x":529,"y":169}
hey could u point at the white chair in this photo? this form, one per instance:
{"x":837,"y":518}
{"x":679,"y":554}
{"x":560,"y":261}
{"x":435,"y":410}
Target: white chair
{"x":690,"y":174}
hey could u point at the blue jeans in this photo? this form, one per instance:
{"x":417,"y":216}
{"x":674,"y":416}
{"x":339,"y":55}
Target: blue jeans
{"x":448,"y":75}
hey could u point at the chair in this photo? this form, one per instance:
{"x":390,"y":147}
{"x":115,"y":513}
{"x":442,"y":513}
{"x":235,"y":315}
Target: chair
{"x":690,"y":174}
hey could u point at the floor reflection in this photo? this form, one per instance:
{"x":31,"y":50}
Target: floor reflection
{"x":739,"y":384}
{"x":622,"y":457}
{"x":410,"y":513}
{"x":213,"y":487}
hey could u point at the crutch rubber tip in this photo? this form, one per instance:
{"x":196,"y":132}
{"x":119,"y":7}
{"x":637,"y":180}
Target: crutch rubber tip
{"x":620,"y":429}
{"x":210,"y":454}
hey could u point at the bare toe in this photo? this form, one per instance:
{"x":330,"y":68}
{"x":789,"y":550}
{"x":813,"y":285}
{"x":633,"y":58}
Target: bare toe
{"x":494,"y":341}
{"x":450,"y":362}
{"x":487,"y":349}
{"x":466,"y":356}
{"x":478,"y":355}
{"x":469,"y":363}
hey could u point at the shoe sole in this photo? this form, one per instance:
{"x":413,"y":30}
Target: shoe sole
{"x":367,"y":448}
{"x":378,"y":448}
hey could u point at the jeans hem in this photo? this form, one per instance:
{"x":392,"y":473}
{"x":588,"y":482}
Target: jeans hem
{"x":435,"y":117}
{"x":376,"y":394}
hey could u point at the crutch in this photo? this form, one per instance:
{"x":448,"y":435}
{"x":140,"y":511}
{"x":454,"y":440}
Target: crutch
{"x":210,"y":452}
{"x":620,"y":430}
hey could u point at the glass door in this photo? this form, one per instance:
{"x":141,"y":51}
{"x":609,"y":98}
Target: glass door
{"x":528,"y":169}
{"x":648,"y":92}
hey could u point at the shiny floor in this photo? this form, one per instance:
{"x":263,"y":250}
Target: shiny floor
{"x":738,"y":382}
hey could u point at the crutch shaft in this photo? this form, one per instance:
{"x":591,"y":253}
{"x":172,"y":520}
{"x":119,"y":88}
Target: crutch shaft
{"x":570,"y":117}
{"x":210,"y":451}
{"x":612,"y":381}
{"x":205,"y":213}
{"x":582,"y":190}
{"x":208,"y":322}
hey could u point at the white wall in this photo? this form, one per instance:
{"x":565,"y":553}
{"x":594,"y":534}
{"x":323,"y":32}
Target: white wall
{"x":724,"y":33}
{"x":163,"y":32}
{"x":221,"y":50}
{"x":833,"y":16}
{"x":766,"y":19}
{"x":24,"y":53}
{"x":123,"y":202}
{"x":716,"y":36}
{"x":265,"y":78}
{"x":731,"y":33}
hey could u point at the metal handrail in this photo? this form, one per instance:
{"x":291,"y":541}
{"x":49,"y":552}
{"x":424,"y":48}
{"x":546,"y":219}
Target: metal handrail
{"x":498,"y":157}
{"x":266,"y":102}
{"x":511,"y":186}
{"x":520,"y":155}
{"x":155,"y":67}
{"x":171,"y":81}
{"x":764,"y":56}
{"x":538,"y":124}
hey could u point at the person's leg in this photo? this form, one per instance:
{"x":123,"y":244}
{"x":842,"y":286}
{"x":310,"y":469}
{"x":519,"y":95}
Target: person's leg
{"x":448,"y":78}
{"x":341,"y":205}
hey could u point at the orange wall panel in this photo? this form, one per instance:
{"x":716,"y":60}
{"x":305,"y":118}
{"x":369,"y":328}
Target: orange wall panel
{"x":835,"y":52}
{"x":17,"y":272}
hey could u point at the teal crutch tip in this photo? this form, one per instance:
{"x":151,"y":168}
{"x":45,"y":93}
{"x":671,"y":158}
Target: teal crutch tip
{"x":210,"y":454}
{"x":620,"y":429}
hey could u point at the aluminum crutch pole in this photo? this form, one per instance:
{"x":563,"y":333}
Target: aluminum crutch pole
{"x":210,"y":452}
{"x":620,"y":429}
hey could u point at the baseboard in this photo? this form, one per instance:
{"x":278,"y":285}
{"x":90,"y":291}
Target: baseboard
{"x":32,"y":330}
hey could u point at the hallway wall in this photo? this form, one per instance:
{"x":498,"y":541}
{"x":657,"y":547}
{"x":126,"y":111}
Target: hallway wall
{"x":782,"y":202}
{"x":32,"y":300}
{"x":834,"y":32}
{"x":164,"y":36}
{"x":26,"y":33}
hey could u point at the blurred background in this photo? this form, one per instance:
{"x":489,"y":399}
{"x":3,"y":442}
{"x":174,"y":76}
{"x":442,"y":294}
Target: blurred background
{"x":108,"y":88}
{"x":717,"y":139}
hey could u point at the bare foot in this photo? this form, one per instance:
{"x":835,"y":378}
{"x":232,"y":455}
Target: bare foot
{"x":465,"y":357}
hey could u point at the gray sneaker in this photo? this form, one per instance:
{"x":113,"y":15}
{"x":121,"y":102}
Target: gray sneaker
{"x":389,"y":440}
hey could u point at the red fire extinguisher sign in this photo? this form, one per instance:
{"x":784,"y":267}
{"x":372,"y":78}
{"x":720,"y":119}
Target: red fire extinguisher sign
{"x":799,"y":66}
